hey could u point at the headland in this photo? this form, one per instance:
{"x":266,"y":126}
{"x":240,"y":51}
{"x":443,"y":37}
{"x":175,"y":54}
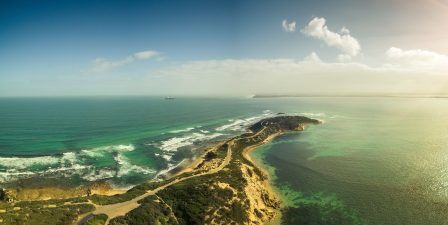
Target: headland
{"x":224,"y":186}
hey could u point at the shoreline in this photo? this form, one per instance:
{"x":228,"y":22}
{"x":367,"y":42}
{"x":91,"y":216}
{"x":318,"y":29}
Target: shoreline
{"x":103,"y":187}
{"x":247,"y":152}
{"x":195,"y":161}
{"x":237,"y":187}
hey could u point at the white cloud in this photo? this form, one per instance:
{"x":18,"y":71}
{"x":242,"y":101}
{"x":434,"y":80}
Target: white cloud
{"x":346,"y":43}
{"x":146,"y":55}
{"x":313,"y":57}
{"x":309,"y":75}
{"x":344,"y":58}
{"x":344,"y":31}
{"x":417,"y":59}
{"x":100,"y":65}
{"x":289,"y":27}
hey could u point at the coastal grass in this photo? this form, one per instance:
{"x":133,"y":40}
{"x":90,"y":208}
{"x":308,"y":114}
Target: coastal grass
{"x":151,"y":211}
{"x":42,"y":213}
{"x":99,"y":219}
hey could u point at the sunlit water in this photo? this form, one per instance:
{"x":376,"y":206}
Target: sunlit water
{"x":372,"y":161}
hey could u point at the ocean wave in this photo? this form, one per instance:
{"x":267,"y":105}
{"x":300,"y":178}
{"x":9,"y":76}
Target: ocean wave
{"x":169,"y":168}
{"x":173,"y":144}
{"x":100,"y":174}
{"x":167,"y":156}
{"x":182,"y":130}
{"x":11,"y":176}
{"x":72,"y":163}
{"x":101,"y":151}
{"x":242,"y":124}
{"x":80,"y":162}
{"x":310,"y":114}
{"x":65,"y":171}
{"x":125,"y":167}
{"x":26,"y":162}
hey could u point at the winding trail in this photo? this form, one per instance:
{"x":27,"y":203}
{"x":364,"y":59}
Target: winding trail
{"x":120,"y":209}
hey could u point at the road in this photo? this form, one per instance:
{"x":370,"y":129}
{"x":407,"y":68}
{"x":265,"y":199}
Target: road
{"x":120,"y":209}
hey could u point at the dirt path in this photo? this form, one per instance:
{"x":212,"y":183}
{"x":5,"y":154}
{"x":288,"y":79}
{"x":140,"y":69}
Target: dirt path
{"x":120,"y":209}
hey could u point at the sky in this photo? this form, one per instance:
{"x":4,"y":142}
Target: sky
{"x":223,"y":48}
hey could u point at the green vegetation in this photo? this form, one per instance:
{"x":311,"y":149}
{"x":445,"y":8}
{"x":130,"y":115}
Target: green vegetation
{"x":42,"y":212}
{"x":97,"y":220}
{"x":191,"y":201}
{"x":151,"y":211}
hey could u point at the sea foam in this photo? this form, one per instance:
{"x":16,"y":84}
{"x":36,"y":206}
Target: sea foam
{"x":25,"y":162}
{"x":71,"y":163}
{"x":125,"y":167}
{"x":241,"y":124}
{"x":172,"y":145}
{"x":182,"y":130}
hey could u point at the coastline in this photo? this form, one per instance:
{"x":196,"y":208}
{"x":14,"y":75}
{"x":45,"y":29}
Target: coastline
{"x":247,"y":153}
{"x":43,"y":193}
{"x":228,"y":183}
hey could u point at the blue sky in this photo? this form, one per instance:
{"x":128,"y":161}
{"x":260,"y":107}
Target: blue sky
{"x":92,"y":47}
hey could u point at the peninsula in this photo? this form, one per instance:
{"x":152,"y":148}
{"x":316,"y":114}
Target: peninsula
{"x":223,"y":187}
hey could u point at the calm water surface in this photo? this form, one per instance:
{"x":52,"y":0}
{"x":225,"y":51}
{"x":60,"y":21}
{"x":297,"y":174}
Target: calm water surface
{"x":373,"y":161}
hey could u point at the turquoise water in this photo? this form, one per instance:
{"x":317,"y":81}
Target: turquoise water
{"x":125,"y":140}
{"x":372,"y":161}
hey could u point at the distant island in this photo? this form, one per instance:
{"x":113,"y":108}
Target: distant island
{"x":224,"y":186}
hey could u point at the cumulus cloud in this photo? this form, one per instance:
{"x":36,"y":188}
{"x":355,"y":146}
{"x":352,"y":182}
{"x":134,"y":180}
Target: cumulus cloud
{"x":289,"y":27}
{"x":100,"y":65}
{"x":417,"y":59}
{"x":313,"y":57}
{"x":343,"y":41}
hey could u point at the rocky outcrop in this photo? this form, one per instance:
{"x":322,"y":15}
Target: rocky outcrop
{"x":7,"y":195}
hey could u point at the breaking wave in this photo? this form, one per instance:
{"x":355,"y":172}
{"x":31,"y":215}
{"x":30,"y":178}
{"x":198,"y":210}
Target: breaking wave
{"x":114,"y":161}
{"x":242,"y":124}
{"x":172,"y":145}
{"x":73,"y":163}
{"x":182,"y":130}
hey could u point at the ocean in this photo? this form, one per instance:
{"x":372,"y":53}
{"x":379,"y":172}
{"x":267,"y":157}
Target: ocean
{"x":371,"y":161}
